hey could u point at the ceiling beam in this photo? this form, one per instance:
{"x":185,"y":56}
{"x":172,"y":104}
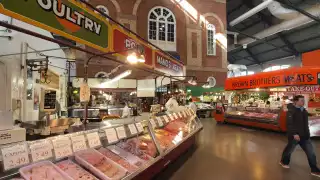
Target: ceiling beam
{"x":253,"y":56}
{"x":289,"y":44}
{"x":263,"y":17}
{"x":235,"y":9}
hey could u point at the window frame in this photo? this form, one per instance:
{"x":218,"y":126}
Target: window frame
{"x":164,"y":44}
{"x":211,"y":27}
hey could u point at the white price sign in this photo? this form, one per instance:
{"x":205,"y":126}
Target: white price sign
{"x":111,"y":135}
{"x":93,"y":139}
{"x":191,"y":112}
{"x":140,"y":127}
{"x":171,"y":117}
{"x":179,"y":114}
{"x":15,"y":156}
{"x":175,"y":115}
{"x":184,"y":113}
{"x":41,"y":151}
{"x":188,"y":112}
{"x":159,"y":121}
{"x":166,"y":118}
{"x":62,"y":147}
{"x":133,"y":129}
{"x":78,"y":143}
{"x":153,"y":124}
{"x":121,"y":132}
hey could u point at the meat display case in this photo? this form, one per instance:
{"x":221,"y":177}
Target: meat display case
{"x":265,"y":115}
{"x":134,"y":150}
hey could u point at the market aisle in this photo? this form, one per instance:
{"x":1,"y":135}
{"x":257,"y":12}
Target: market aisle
{"x":227,"y":152}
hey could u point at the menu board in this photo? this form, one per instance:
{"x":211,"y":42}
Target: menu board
{"x":48,"y":100}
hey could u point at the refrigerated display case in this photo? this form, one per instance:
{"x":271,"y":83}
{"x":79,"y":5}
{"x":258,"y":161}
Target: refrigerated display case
{"x":133,"y":150}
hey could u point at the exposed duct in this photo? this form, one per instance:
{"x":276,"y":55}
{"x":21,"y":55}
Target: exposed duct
{"x":251,"y":12}
{"x":296,"y":22}
{"x":277,"y":10}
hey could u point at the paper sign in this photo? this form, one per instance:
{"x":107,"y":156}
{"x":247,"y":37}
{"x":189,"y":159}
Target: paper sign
{"x":184,"y":113}
{"x":139,"y":127}
{"x":121,"y":132}
{"x":133,"y":129}
{"x":179,"y":114}
{"x":166,"y":118}
{"x":15,"y":156}
{"x":41,"y":151}
{"x":111,"y":135}
{"x":93,"y":139}
{"x":175,"y":116}
{"x":171,"y":117}
{"x":159,"y":121}
{"x":78,"y":143}
{"x":153,"y":124}
{"x":62,"y":147}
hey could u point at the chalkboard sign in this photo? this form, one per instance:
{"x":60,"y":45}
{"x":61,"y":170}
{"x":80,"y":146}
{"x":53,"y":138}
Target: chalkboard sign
{"x":49,"y":100}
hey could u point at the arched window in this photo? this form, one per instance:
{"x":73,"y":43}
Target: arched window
{"x":103,"y":9}
{"x":211,"y":41}
{"x":162,"y":28}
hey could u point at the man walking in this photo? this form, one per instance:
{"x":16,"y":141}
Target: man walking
{"x":298,"y":133}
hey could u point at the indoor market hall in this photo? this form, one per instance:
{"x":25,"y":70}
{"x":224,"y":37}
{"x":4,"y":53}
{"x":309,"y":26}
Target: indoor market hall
{"x":159,"y":89}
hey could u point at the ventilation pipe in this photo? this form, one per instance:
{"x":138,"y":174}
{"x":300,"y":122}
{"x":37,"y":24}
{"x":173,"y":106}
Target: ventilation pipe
{"x":251,"y":12}
{"x":277,"y":10}
{"x":298,"y":21}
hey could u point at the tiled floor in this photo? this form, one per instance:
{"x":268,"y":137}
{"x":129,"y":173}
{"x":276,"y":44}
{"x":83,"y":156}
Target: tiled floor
{"x":229,"y":152}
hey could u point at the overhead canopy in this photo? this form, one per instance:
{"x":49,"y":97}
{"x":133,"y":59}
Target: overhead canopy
{"x":304,"y":37}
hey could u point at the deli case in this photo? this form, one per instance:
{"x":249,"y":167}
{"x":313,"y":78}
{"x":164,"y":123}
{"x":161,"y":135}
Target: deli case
{"x":133,"y":150}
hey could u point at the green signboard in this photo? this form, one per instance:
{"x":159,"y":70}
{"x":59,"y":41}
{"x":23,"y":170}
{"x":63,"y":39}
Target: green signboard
{"x":68,"y":18}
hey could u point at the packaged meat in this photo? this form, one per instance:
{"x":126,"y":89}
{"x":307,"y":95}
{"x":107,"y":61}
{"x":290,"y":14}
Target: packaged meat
{"x":100,"y":165}
{"x":133,"y":146}
{"x":75,"y":171}
{"x":44,"y":170}
{"x":116,"y":158}
{"x":132,"y":159}
{"x":175,"y":127}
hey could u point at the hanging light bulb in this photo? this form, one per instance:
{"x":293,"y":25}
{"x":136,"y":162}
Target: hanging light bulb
{"x":132,"y":58}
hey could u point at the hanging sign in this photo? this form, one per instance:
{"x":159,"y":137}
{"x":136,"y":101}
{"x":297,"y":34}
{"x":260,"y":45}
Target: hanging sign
{"x":68,"y":18}
{"x":286,"y":77}
{"x":123,"y":41}
{"x":167,"y":65}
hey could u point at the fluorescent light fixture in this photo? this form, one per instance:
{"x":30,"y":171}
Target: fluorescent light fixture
{"x":120,"y":76}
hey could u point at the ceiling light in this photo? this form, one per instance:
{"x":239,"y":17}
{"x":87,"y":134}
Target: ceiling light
{"x":141,"y":59}
{"x":132,"y":58}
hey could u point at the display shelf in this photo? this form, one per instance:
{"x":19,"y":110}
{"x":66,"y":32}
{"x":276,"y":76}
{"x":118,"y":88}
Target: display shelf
{"x":138,"y":135}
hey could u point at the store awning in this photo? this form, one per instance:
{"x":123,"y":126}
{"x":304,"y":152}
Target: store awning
{"x":198,"y":90}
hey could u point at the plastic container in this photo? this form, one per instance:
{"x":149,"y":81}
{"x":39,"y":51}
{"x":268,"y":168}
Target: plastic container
{"x":28,"y":176}
{"x":74,"y":170}
{"x":97,"y":159}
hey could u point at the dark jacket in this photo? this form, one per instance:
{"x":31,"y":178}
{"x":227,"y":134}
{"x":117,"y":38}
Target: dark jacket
{"x":297,"y":122}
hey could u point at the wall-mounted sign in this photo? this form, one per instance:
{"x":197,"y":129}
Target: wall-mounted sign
{"x":286,"y":77}
{"x":68,"y":18}
{"x":123,"y":41}
{"x":48,"y":99}
{"x":167,"y":65}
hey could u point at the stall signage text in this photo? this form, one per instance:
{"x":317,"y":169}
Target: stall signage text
{"x":68,"y":18}
{"x":303,"y":89}
{"x":122,"y":42}
{"x":279,"y":80}
{"x":168,"y":65}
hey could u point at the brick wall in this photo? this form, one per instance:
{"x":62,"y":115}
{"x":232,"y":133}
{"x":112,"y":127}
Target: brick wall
{"x":191,"y":36}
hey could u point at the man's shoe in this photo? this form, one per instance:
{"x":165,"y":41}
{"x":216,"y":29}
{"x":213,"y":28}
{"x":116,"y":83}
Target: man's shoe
{"x":284,"y":166}
{"x":315,"y":174}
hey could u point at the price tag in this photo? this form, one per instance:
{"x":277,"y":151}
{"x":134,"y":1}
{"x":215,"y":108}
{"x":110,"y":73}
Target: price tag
{"x":153,"y":124}
{"x":139,"y":127}
{"x":179,"y":114}
{"x":41,"y":151}
{"x":78,"y":143}
{"x":15,"y":156}
{"x":159,"y":121}
{"x":111,"y":135}
{"x":171,"y":117}
{"x":191,"y":112}
{"x":133,"y":129}
{"x":166,"y":118}
{"x":62,"y":147}
{"x":121,"y":132}
{"x":93,"y":139}
{"x":175,"y":116}
{"x":188,"y":112}
{"x":184,"y":113}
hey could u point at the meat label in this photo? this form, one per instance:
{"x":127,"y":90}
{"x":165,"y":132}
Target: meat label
{"x":133,"y":129}
{"x":93,"y":139}
{"x":159,"y":121}
{"x":111,"y":135}
{"x":140,"y":127}
{"x":62,"y":147}
{"x":41,"y":151}
{"x":15,"y":156}
{"x":78,"y":143}
{"x":121,"y":132}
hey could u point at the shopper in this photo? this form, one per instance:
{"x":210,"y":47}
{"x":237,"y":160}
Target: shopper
{"x":298,"y":133}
